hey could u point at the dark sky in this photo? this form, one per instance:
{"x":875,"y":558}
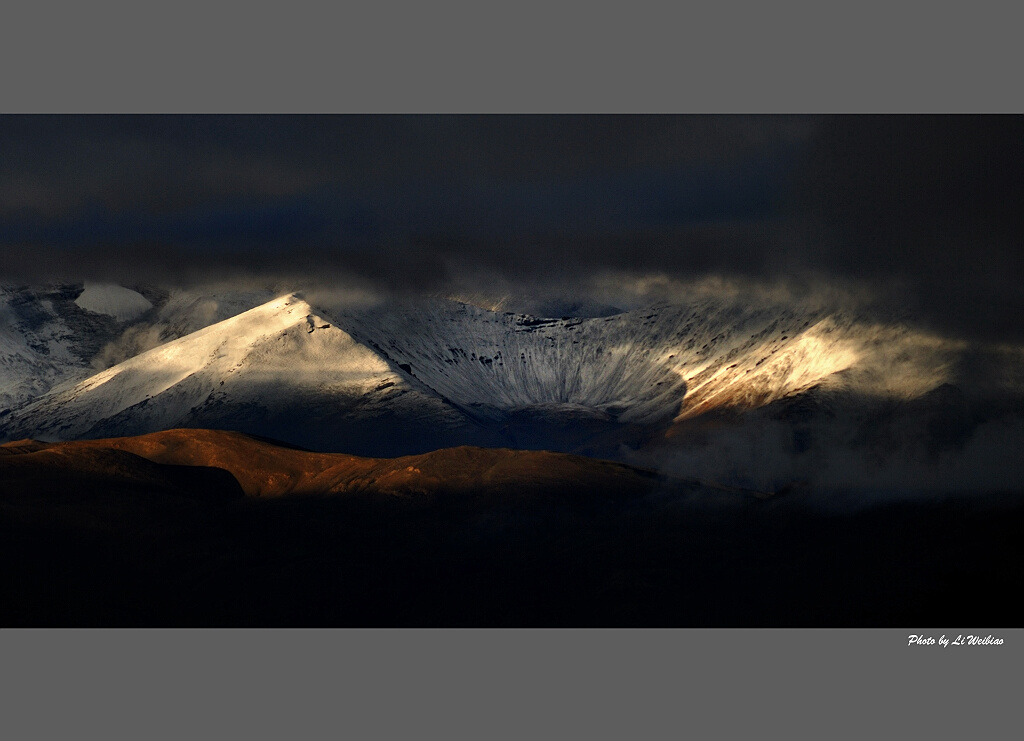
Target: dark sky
{"x":931,"y":206}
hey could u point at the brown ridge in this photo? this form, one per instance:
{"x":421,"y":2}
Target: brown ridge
{"x":264,"y":469}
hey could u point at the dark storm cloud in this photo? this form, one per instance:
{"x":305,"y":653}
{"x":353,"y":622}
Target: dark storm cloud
{"x":58,"y":164}
{"x":927,"y":207}
{"x":55,"y":166}
{"x":935,"y":203}
{"x":397,"y":200}
{"x":486,"y":208}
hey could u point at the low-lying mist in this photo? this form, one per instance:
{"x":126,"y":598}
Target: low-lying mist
{"x":849,"y":462}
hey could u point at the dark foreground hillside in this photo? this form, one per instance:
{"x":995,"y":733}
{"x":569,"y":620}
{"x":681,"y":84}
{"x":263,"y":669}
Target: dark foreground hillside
{"x":199,"y":528}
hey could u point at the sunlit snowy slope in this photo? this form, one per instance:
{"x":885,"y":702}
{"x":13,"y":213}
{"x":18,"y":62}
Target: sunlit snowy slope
{"x":413,"y":376}
{"x":57,"y":333}
{"x":276,"y":368}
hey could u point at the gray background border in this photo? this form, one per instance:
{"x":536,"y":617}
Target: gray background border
{"x":513,"y":684}
{"x":530,"y":57}
{"x":789,"y":56}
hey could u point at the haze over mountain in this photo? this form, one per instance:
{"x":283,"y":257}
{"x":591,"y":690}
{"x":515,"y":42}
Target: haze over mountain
{"x":802,"y":385}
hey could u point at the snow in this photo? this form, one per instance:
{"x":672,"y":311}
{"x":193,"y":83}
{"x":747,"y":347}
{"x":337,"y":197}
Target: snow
{"x":47,"y":338}
{"x":37,"y":347}
{"x":265,"y":359}
{"x":433,"y":368}
{"x":638,"y":366}
{"x":113,"y":300}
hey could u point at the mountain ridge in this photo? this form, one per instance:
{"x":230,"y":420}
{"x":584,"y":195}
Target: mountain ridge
{"x":406,"y":377}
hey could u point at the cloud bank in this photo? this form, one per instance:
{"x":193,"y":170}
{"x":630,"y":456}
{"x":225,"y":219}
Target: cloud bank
{"x":920,"y":213}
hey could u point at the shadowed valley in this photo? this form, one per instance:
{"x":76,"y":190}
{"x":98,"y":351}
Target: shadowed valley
{"x":208,"y":528}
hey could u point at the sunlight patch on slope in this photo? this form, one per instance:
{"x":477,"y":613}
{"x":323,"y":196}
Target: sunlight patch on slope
{"x":312,"y":354}
{"x":881,"y":361}
{"x":221,"y":348}
{"x":764,"y":375}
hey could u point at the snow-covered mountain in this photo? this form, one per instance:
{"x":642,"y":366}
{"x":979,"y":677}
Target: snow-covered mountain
{"x":416,"y":375}
{"x":643,"y":367}
{"x":65,"y":332}
{"x":123,"y":304}
{"x":277,"y":368}
{"x":46,"y":338}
